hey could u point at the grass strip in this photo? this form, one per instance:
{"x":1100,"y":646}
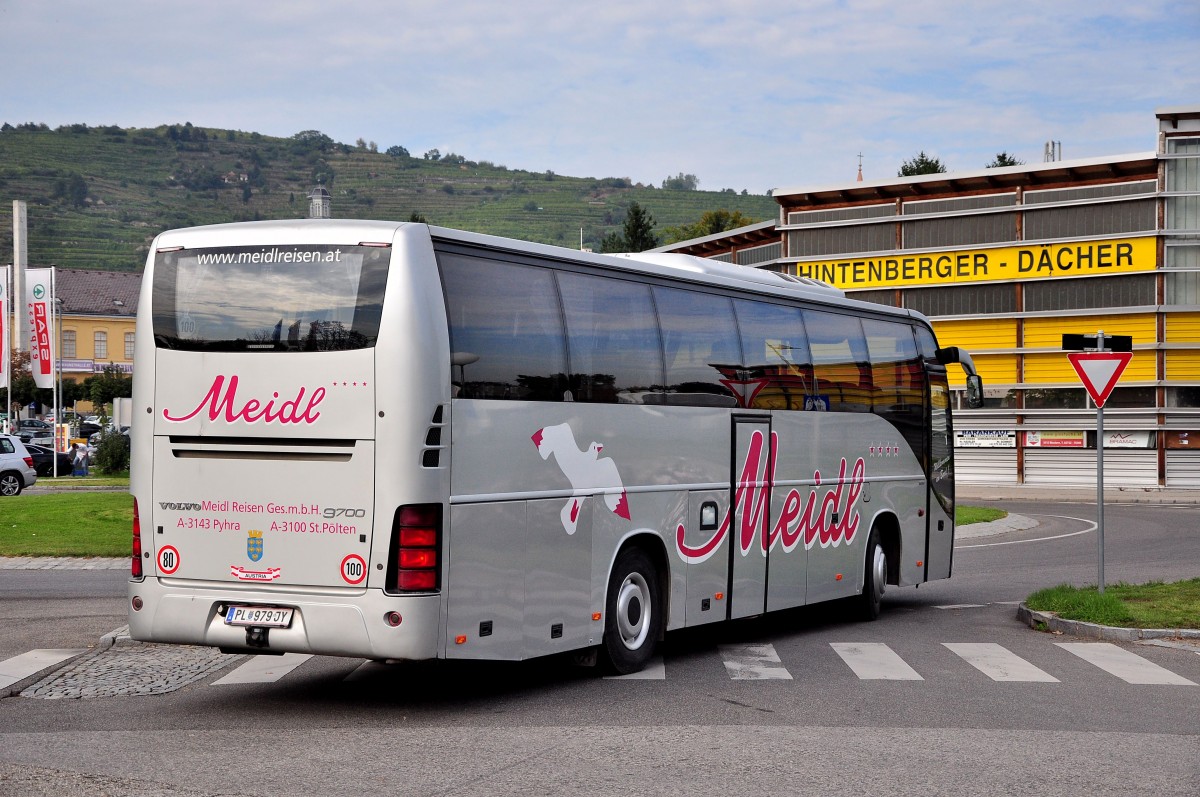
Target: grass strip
{"x":66,"y":524}
{"x":966,"y":515}
{"x":1153,"y":605}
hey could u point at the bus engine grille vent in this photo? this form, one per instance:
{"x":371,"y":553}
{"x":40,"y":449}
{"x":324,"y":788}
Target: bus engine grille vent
{"x":431,"y":454}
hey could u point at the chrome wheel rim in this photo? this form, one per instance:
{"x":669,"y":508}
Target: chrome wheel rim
{"x":878,"y":574}
{"x":8,"y":485}
{"x":633,"y":611}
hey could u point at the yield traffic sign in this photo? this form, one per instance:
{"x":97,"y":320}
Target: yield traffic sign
{"x":1099,"y":371}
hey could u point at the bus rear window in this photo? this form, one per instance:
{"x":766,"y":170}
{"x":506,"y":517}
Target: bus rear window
{"x":269,"y":298}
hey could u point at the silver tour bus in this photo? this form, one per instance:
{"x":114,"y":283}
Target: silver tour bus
{"x":398,"y":442}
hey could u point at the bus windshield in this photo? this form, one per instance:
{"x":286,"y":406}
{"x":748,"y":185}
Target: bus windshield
{"x":269,"y":298}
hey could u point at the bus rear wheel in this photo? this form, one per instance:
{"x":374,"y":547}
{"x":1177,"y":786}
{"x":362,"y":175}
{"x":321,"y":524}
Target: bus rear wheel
{"x":633,"y":612}
{"x":874,"y":578}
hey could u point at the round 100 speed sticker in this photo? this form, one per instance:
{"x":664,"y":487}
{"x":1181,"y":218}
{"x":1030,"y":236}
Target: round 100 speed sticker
{"x":354,"y":569}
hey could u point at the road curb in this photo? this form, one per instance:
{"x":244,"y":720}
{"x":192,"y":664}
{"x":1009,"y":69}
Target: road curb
{"x":1049,"y":621}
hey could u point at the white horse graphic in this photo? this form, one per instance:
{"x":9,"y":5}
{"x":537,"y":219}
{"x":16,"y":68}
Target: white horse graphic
{"x":584,"y":469}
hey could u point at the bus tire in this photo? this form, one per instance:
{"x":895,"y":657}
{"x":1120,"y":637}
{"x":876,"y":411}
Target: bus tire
{"x":633,"y":612}
{"x":11,"y":483}
{"x":874,"y":577}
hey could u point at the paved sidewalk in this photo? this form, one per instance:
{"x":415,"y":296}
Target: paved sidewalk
{"x":64,"y":563}
{"x":983,"y":493}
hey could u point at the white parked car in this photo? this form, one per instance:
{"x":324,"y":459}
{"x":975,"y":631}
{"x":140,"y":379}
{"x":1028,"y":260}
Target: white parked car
{"x":16,"y":466}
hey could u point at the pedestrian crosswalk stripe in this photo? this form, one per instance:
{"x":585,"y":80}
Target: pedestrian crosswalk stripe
{"x":18,"y":668}
{"x":655,"y":670}
{"x":753,"y":663}
{"x":875,"y":661}
{"x":999,"y":663}
{"x":1129,"y":667}
{"x":263,"y":669}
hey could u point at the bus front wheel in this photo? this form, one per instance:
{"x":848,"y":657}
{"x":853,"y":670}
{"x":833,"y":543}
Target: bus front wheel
{"x":874,"y":578}
{"x":633,"y":612}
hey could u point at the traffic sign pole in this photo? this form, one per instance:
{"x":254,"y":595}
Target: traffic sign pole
{"x":1099,"y":371}
{"x":1100,"y":481}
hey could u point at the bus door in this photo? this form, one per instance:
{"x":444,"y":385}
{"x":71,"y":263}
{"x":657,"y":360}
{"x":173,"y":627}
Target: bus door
{"x":939,"y":454}
{"x":750,"y":515}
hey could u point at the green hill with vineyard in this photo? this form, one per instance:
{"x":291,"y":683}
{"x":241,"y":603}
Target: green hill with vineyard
{"x":96,"y":196}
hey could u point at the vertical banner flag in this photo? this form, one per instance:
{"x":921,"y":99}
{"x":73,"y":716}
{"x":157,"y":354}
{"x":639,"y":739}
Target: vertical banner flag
{"x":5,"y":311}
{"x":41,"y":337}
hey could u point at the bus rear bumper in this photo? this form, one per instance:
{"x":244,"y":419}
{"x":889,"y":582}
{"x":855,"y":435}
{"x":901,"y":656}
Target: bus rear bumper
{"x":359,"y":626}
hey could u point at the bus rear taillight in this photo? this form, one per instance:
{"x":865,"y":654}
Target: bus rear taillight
{"x":136,"y":564}
{"x":415,"y":560}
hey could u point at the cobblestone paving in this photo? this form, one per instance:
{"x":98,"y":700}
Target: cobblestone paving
{"x":130,"y":668}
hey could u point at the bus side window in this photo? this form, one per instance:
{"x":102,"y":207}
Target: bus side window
{"x":841,"y":365}
{"x":898,"y":379}
{"x":776,"y":371}
{"x":506,"y":337}
{"x":699,"y":336}
{"x":612,"y":338}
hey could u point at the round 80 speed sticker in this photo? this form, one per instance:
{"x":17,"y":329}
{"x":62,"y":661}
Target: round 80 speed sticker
{"x":168,"y":559}
{"x":354,"y":569}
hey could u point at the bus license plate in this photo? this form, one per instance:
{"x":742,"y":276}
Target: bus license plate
{"x":261,"y":616}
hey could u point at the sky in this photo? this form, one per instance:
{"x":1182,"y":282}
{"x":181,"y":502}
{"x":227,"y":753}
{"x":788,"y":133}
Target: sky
{"x":743,"y":94}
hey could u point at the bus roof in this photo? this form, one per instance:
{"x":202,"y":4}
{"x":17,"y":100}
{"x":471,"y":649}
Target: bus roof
{"x":675,"y":266}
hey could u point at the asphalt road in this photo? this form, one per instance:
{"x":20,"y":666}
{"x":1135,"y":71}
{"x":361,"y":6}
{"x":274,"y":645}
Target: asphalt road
{"x":339,"y":726}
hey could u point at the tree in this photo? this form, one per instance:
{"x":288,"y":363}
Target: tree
{"x":681,"y":182}
{"x":24,"y":389}
{"x":397,"y":151}
{"x":711,"y":223}
{"x":637,"y":232}
{"x":613,"y":242}
{"x":921,"y":164}
{"x":110,"y":384}
{"x":1004,"y":159}
{"x":639,"y":229}
{"x":73,"y":190}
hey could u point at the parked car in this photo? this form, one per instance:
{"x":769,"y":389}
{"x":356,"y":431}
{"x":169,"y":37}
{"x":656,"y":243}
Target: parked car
{"x":16,"y":466}
{"x":43,"y":461}
{"x":94,"y":438}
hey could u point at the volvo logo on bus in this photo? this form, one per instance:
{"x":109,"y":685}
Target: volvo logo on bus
{"x":180,"y":507}
{"x":221,"y":402}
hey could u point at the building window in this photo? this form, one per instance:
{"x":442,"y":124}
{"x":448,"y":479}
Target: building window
{"x":1188,"y":396}
{"x":128,"y":345}
{"x":1183,"y":176}
{"x":1136,"y":397}
{"x":1082,"y":294}
{"x":68,"y":344}
{"x":962,"y":300}
{"x":1055,"y":399}
{"x":825,"y":241}
{"x":100,"y":351}
{"x":759,"y":254}
{"x":1098,"y":219}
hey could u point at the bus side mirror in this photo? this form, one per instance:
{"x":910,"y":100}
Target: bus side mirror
{"x":953,"y":354}
{"x":974,"y":391}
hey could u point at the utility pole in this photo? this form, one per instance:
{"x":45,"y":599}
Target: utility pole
{"x":20,"y":327}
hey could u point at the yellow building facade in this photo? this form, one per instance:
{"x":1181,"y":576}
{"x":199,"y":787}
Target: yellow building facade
{"x":96,"y":320}
{"x":1004,"y":261}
